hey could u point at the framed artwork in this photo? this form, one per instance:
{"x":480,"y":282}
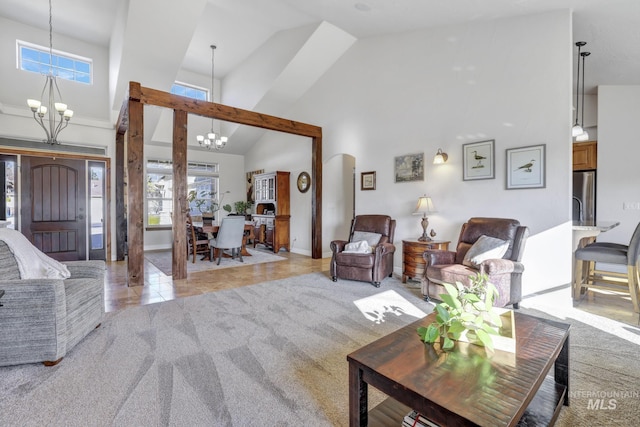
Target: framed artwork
{"x":368,"y":180}
{"x":478,"y":160}
{"x":526,"y":167}
{"x":409,"y":167}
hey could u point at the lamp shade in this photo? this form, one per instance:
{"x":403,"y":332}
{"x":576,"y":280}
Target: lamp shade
{"x":440,"y":157}
{"x":584,"y":136}
{"x":576,"y":130}
{"x":425,"y":206}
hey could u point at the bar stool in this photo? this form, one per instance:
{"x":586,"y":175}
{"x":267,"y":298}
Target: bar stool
{"x":609,"y":253}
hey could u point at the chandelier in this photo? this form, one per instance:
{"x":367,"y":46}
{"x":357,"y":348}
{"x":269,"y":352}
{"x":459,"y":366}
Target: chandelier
{"x":212,"y":140}
{"x":50,"y":107}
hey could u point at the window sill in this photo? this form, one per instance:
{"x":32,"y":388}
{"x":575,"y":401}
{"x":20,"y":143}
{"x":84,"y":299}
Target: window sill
{"x":158,"y":227}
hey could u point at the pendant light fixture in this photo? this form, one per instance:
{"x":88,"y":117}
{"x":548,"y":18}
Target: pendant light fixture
{"x":212,"y":140}
{"x":52,"y":108}
{"x":577,"y":129}
{"x":584,"y":136}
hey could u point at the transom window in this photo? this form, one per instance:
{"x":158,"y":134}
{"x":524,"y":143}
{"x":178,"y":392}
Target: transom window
{"x":202,"y":179}
{"x":66,"y":66}
{"x":190,"y":91}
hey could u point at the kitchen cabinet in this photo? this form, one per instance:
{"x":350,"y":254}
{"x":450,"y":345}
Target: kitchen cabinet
{"x":585,"y":155}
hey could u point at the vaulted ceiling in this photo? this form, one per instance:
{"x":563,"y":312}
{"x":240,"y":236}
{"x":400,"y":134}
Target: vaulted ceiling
{"x":161,"y":39}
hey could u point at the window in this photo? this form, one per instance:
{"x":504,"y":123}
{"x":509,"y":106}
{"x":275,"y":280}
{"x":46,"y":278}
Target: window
{"x":190,"y":91}
{"x":36,"y":59}
{"x":202,"y":180}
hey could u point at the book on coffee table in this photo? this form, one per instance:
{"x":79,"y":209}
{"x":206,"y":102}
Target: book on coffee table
{"x":415,"y":419}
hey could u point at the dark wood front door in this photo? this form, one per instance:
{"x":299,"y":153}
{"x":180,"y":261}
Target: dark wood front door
{"x":54,"y":206}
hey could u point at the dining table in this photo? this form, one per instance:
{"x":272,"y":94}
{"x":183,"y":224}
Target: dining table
{"x":213,"y":228}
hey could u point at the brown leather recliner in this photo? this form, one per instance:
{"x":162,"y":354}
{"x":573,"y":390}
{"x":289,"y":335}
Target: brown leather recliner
{"x":504,"y":273}
{"x":367,"y":267}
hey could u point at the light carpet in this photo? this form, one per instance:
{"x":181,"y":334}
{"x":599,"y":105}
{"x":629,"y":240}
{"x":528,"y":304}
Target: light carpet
{"x":262,"y":355}
{"x":162,"y":260}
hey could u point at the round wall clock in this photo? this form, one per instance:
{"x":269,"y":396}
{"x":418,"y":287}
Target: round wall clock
{"x":304,"y":182}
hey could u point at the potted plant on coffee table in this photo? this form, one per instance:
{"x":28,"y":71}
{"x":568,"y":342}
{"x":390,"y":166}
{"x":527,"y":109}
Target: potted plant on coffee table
{"x":466,"y":314}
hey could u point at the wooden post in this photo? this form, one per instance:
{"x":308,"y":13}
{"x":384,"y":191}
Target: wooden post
{"x":135,"y":187}
{"x":316,"y":200}
{"x":179,"y":159}
{"x":131,"y":120}
{"x":121,"y":220}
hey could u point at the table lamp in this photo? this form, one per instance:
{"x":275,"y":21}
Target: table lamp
{"x":424,"y":207}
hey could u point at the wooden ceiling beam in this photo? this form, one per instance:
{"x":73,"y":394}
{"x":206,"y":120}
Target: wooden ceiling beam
{"x":227,"y":113}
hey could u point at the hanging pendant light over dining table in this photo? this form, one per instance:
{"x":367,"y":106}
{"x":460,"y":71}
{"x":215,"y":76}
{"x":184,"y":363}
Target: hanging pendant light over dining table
{"x":212,"y":140}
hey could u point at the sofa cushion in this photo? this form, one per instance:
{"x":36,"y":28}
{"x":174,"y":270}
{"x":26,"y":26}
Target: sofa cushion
{"x":8,"y":266}
{"x":355,"y":260}
{"x":484,"y":248}
{"x":451,"y":273}
{"x":359,"y":247}
{"x":371,"y":238}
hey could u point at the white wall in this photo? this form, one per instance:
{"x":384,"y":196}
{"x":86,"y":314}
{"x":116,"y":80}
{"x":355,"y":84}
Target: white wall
{"x":284,"y":152}
{"x":337,"y":201}
{"x":618,"y":174}
{"x":508,"y":80}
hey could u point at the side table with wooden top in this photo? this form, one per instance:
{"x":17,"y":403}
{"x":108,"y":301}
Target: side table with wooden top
{"x":413,"y":264}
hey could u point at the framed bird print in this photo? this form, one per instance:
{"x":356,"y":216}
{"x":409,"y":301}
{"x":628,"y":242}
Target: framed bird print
{"x":478,"y":160}
{"x":526,"y":167}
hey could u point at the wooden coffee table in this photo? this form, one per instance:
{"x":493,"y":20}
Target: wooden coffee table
{"x":466,"y":386}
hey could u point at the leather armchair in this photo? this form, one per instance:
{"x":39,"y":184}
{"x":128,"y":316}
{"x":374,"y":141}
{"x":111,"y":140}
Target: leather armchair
{"x":367,"y":267}
{"x":504,"y":273}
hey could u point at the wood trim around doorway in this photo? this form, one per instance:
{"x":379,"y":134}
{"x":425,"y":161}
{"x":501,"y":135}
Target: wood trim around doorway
{"x":131,"y":122}
{"x":89,"y":157}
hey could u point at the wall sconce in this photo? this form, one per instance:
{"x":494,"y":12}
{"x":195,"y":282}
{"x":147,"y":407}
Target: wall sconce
{"x":440,"y":157}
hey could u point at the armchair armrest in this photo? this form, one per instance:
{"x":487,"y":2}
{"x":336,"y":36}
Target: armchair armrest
{"x":338,"y":246}
{"x":93,"y":269}
{"x":500,"y":266}
{"x":34,"y":322}
{"x":384,"y":248}
{"x":439,"y":257}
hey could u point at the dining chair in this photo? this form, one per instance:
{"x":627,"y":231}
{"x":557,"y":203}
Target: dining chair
{"x":229,"y":236}
{"x":197,"y":242}
{"x":587,"y":276}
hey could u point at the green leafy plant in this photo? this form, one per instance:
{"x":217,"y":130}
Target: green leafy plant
{"x":227,"y":208}
{"x":465,"y":311}
{"x":242,"y":206}
{"x":205,"y":201}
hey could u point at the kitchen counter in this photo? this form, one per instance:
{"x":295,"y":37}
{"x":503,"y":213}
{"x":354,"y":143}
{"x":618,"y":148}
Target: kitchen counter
{"x":589,"y":229}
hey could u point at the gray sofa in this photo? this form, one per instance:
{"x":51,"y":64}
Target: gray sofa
{"x":42,"y":319}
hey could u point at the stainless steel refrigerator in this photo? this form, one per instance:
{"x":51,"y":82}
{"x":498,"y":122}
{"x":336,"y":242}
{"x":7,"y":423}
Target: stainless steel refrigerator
{"x":584,"y":196}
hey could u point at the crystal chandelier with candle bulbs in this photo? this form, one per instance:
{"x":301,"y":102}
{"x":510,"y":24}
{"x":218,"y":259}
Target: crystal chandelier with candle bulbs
{"x":56,"y":112}
{"x":212,"y":140}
